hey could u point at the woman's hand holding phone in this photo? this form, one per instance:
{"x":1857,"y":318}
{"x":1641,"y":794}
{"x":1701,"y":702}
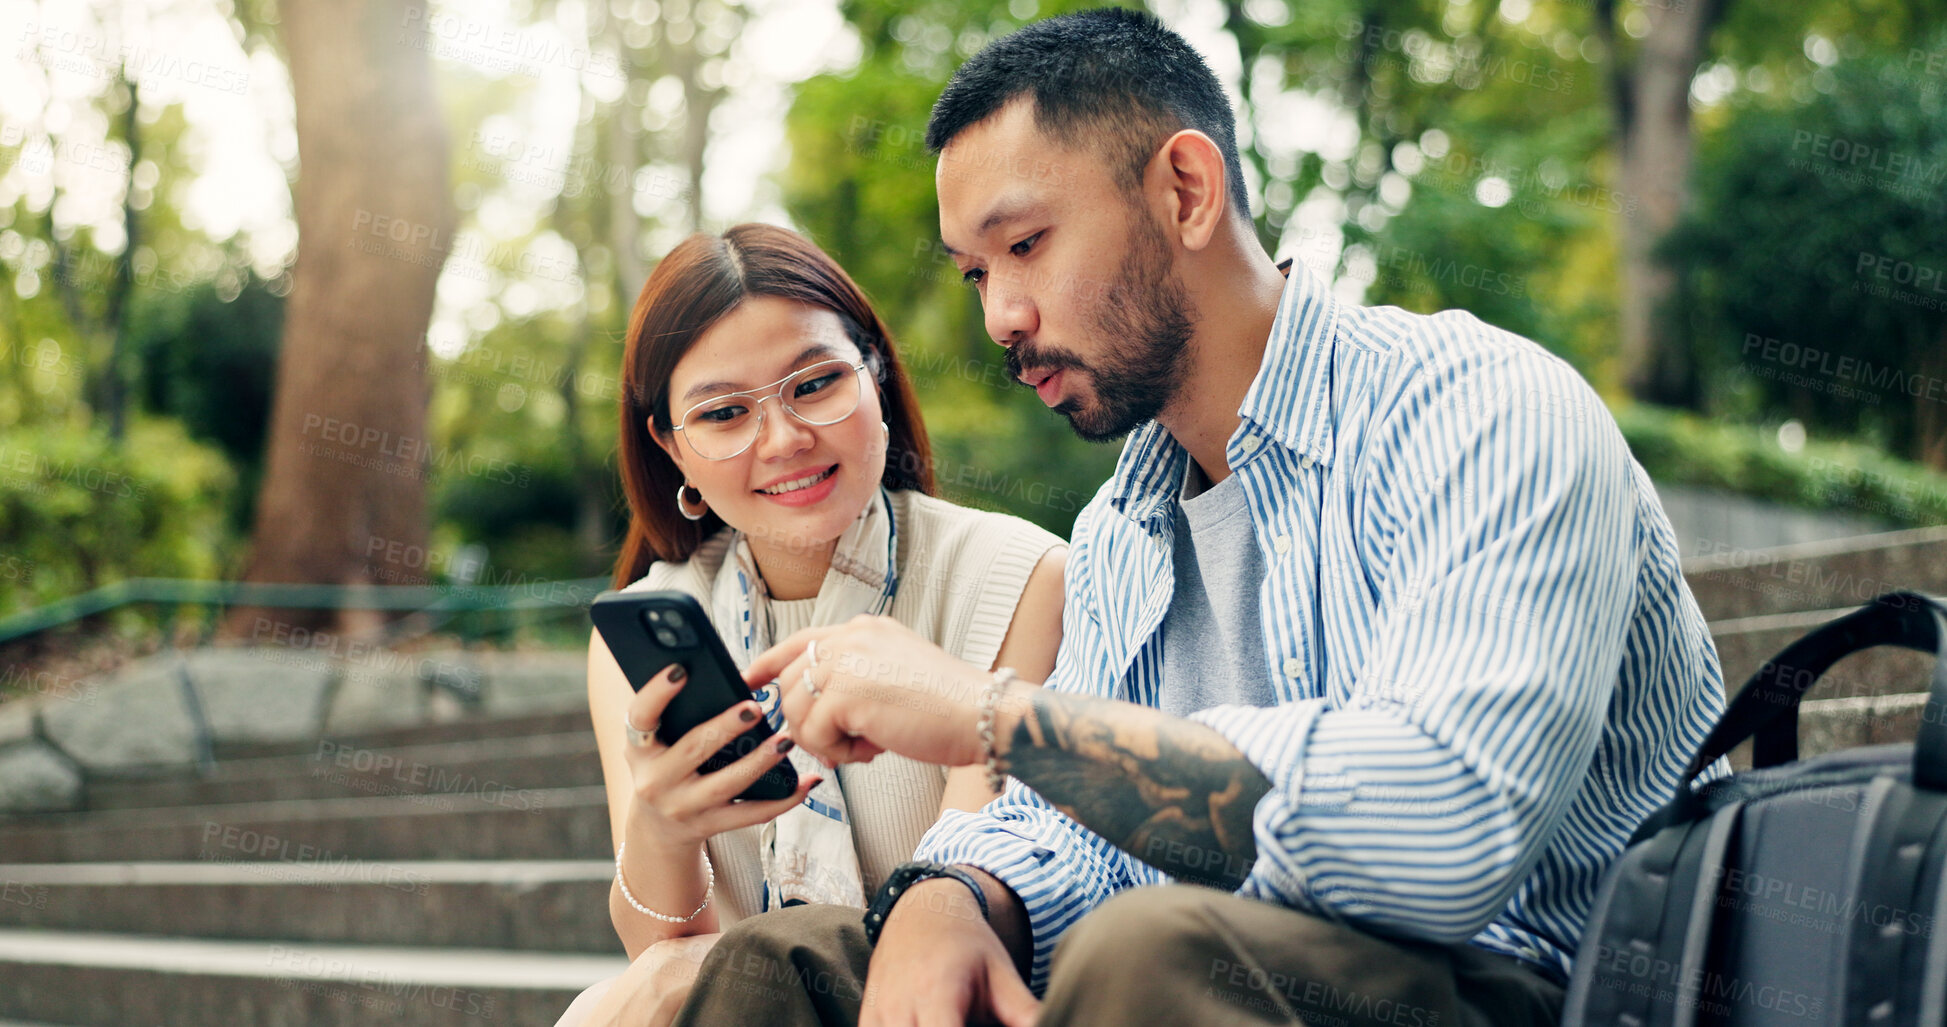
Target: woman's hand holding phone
{"x":685,"y":807}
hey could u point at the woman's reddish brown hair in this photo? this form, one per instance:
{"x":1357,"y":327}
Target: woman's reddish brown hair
{"x":701,"y":280}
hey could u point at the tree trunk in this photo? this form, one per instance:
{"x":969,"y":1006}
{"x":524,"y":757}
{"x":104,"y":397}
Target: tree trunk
{"x":344,"y":490}
{"x":1650,"y":92}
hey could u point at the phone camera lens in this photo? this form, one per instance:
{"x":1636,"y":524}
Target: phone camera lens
{"x":667,"y":637}
{"x":674,"y":618}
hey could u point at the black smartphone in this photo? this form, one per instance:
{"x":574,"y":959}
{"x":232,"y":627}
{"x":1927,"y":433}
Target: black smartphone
{"x":647,"y":631}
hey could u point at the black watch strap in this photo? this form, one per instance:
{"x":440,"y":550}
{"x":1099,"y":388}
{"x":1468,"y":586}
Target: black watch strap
{"x":901,"y":880}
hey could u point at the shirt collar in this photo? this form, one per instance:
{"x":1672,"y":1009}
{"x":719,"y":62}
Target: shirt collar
{"x":1289,"y":401}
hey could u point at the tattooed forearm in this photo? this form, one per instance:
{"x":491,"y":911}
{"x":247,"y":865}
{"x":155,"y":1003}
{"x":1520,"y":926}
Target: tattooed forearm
{"x":1171,"y":792}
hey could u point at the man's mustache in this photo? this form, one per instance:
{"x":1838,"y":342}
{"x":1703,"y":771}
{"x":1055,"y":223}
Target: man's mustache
{"x":1024,"y":355}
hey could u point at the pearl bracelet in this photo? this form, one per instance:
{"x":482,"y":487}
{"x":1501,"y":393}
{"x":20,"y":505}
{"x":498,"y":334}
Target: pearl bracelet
{"x":989,"y":707}
{"x":708,"y":889}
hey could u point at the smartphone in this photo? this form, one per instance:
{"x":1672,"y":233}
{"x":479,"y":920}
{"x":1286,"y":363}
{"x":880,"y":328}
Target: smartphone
{"x":647,"y":631}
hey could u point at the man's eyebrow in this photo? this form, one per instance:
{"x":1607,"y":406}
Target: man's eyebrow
{"x":1010,"y":208}
{"x":712,"y":388}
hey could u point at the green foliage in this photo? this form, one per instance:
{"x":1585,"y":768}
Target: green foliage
{"x":207,"y":356}
{"x":1817,"y":286}
{"x":80,"y":511}
{"x":1682,"y":448}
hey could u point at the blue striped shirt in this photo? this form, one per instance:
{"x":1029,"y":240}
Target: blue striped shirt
{"x":1489,"y":668}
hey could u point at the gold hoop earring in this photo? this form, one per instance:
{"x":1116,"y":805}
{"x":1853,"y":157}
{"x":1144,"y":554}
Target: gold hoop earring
{"x":683,"y":506}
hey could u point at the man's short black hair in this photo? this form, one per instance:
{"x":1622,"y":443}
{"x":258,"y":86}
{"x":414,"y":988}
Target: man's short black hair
{"x":1112,"y":78}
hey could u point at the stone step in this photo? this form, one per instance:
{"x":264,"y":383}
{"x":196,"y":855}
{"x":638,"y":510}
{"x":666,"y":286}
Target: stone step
{"x":549,"y":722}
{"x":333,"y":770}
{"x":557,"y":906}
{"x":1745,"y":644}
{"x":108,"y":980}
{"x":1731,"y":583}
{"x":551,"y":823}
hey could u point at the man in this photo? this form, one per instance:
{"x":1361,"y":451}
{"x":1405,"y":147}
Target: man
{"x":1376,"y":637}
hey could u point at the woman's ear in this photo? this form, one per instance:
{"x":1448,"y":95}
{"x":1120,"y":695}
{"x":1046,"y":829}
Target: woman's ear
{"x":667,"y":441}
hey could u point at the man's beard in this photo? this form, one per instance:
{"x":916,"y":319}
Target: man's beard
{"x":1143,"y":321}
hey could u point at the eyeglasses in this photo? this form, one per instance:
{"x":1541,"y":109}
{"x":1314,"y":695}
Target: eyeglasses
{"x":723,"y":426}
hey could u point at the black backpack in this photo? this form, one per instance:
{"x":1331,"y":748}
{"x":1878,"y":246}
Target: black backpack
{"x":1796,"y":893}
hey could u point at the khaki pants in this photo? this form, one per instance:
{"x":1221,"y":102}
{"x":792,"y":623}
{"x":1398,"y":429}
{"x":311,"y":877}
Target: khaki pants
{"x":1176,"y":954}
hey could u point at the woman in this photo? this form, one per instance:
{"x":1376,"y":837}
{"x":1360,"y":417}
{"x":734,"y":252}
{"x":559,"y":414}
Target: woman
{"x":777,"y":469}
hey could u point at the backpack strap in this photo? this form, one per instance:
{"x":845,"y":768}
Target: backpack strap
{"x":1652,"y":932}
{"x":1896,"y":870}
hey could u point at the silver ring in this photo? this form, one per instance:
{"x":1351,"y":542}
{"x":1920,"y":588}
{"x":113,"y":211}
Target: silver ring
{"x":810,"y":689}
{"x":811,"y":652}
{"x":637,"y":737}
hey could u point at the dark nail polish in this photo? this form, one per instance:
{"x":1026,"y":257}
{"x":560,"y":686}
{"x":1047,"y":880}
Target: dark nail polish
{"x":786,"y":745}
{"x":746,"y":714}
{"x":677,"y":674}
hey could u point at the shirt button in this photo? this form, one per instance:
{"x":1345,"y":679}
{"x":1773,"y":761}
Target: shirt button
{"x":1292,"y":668}
{"x":1305,"y":462}
{"x":1282,"y":544}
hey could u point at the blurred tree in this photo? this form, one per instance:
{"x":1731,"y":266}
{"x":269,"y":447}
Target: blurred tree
{"x":1794,"y":308}
{"x":1649,"y":91}
{"x":348,"y":426}
{"x":208,"y":357}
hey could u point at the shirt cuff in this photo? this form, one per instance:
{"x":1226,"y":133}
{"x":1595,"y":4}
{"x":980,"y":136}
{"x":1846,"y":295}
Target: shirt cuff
{"x":1274,"y":741}
{"x":1056,"y":879}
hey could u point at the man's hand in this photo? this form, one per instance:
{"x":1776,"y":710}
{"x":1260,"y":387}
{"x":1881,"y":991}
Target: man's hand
{"x":879,"y":687}
{"x":938,"y":962}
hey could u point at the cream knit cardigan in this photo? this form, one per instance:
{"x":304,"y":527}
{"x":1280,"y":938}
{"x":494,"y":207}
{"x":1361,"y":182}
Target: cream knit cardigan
{"x":961,"y":575}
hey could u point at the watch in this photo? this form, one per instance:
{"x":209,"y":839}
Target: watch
{"x":902,"y":879}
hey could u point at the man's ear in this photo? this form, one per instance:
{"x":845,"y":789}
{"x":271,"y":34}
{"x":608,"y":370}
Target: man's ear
{"x":1192,"y":171}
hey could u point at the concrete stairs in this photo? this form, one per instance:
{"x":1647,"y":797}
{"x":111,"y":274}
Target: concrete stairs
{"x":457,"y":872}
{"x":1759,"y":601}
{"x":452,"y":873}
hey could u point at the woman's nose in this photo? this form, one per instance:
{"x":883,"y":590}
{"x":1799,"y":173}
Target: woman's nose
{"x":781,"y":434}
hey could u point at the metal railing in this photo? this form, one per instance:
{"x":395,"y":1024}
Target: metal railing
{"x":572,"y":594}
{"x":431,"y":606}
